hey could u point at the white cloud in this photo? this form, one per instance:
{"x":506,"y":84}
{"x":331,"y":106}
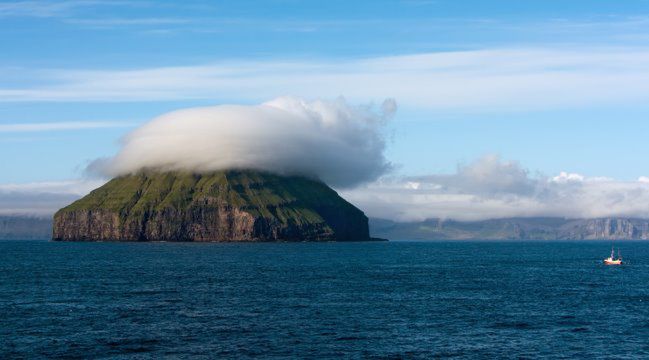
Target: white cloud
{"x":64,"y":125}
{"x":492,"y":188}
{"x":331,"y":140}
{"x":489,"y":176}
{"x":565,"y":177}
{"x":479,"y":80}
{"x":42,"y":198}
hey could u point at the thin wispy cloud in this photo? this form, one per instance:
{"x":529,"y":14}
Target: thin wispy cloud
{"x":48,"y":9}
{"x":58,"y":126}
{"x":490,"y":79}
{"x":74,"y":187}
{"x":38,"y":8}
{"x":120,"y":22}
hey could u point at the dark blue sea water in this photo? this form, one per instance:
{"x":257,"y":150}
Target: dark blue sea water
{"x":329,"y":300}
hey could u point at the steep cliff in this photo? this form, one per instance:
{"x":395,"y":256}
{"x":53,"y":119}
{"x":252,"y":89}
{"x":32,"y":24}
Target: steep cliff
{"x":241,"y":205}
{"x":515,"y":229}
{"x":608,"y":228}
{"x":18,"y":227}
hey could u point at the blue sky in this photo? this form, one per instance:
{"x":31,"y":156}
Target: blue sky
{"x":555,"y":85}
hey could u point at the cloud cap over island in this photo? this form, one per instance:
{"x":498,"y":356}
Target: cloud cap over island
{"x":333,"y":141}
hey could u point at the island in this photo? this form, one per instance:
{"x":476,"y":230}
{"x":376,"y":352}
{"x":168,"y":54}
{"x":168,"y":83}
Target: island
{"x":228,"y":205}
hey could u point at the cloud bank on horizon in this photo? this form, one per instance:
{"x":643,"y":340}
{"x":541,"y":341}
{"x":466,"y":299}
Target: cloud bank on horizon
{"x":492,"y":188}
{"x":42,"y":198}
{"x":333,"y":141}
{"x":487,"y":188}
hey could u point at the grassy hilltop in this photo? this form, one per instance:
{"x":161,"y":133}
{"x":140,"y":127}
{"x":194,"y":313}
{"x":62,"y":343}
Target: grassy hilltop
{"x":219,"y":206}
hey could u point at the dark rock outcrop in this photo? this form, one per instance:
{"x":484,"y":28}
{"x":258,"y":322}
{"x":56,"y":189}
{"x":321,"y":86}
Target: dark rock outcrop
{"x":240,"y":205}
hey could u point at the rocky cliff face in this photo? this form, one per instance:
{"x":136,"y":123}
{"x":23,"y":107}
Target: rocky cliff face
{"x":606,"y":229}
{"x":25,"y":228}
{"x":221,"y":206}
{"x":516,"y":229}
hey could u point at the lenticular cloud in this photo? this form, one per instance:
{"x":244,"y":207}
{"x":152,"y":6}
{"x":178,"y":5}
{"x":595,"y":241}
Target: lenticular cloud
{"x":340,"y":144}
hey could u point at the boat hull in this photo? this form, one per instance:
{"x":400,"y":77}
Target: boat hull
{"x":612,"y":262}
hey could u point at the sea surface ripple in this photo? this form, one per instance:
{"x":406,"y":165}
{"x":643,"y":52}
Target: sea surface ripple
{"x":322,"y":300}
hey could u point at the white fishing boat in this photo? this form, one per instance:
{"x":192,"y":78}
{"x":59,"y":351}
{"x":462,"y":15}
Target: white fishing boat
{"x":611,"y":260}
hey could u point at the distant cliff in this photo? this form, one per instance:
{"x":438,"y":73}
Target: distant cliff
{"x":220,"y":206}
{"x":25,"y":228}
{"x":514,"y":229}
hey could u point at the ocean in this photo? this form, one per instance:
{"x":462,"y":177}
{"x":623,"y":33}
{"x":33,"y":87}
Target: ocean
{"x":323,"y":300}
